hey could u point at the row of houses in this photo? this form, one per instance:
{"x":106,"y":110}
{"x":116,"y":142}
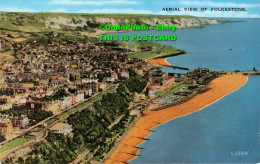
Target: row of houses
{"x":115,"y":76}
{"x":25,"y":85}
{"x":62,"y":103}
{"x":30,"y":99}
{"x":70,"y":100}
{"x":21,"y":121}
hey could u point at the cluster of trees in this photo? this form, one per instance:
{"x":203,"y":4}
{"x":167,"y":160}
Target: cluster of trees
{"x":72,"y":77}
{"x":116,"y":131}
{"x":2,"y":138}
{"x":58,"y":95}
{"x":97,"y":61}
{"x":35,"y":116}
{"x":113,"y":105}
{"x":61,"y":150}
{"x":87,"y":130}
{"x":93,"y":125}
{"x":120,"y":127}
{"x":90,"y":127}
{"x":135,"y":83}
{"x":101,"y":76}
{"x":29,"y":159}
{"x":73,"y":91}
{"x":9,"y":92}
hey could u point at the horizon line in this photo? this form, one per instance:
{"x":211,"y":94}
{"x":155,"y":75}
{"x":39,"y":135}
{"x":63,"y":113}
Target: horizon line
{"x":122,"y":14}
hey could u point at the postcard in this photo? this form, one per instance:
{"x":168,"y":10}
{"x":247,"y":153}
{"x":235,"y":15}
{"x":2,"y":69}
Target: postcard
{"x":129,"y":81}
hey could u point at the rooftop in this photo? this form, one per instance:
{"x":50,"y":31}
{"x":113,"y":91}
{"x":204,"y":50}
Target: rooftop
{"x":58,"y":126}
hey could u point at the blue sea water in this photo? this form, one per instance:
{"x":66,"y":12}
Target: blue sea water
{"x":227,"y":131}
{"x":222,"y":47}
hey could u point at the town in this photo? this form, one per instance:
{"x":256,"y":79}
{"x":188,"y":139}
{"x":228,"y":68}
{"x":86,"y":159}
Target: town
{"x":75,"y":88}
{"x":48,"y":85}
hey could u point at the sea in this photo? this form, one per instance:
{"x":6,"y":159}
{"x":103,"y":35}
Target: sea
{"x":227,"y":131}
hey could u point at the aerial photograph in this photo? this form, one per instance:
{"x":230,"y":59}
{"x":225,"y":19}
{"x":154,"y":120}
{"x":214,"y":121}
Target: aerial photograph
{"x":129,"y":81}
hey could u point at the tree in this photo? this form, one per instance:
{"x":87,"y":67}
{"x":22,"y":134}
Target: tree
{"x":29,"y":160}
{"x":79,"y":139}
{"x":2,"y":138}
{"x":20,"y":160}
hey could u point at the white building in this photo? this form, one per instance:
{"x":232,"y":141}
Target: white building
{"x":61,"y":128}
{"x":80,"y":97}
{"x":87,"y":81}
{"x":110,"y":79}
{"x":65,"y":102}
{"x":22,"y":101}
{"x":124,"y":74}
{"x":89,"y":92}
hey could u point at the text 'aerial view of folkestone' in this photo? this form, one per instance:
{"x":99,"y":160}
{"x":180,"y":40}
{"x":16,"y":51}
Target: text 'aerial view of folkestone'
{"x":128,"y":88}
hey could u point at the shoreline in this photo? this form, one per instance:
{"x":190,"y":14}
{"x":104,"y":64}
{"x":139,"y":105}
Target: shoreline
{"x":159,"y":61}
{"x":162,"y":60}
{"x":218,"y":88}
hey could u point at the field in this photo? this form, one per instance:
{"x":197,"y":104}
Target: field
{"x":155,"y":49}
{"x":175,"y":89}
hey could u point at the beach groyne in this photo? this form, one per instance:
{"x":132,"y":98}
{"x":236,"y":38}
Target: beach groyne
{"x":216,"y":89}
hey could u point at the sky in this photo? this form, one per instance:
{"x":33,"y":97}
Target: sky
{"x":136,"y":7}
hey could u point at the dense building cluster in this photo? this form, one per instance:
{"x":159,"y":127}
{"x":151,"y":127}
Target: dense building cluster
{"x":57,"y":75}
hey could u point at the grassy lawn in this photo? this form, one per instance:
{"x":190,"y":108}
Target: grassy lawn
{"x":3,"y":149}
{"x":158,"y":92}
{"x":85,"y":103}
{"x":175,"y":89}
{"x":142,"y":55}
{"x":15,"y":143}
{"x":157,"y":50}
{"x":51,"y":121}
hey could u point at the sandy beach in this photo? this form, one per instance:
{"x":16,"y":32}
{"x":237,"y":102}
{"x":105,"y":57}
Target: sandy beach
{"x":218,"y":88}
{"x":160,"y":61}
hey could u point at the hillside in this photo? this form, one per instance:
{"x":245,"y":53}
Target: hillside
{"x":147,"y":49}
{"x":38,"y":22}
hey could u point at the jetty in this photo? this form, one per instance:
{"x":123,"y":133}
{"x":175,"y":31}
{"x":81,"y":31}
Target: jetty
{"x":176,"y":67}
{"x":253,"y":72}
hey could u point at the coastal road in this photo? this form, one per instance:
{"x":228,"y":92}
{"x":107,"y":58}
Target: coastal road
{"x":38,"y":137}
{"x":53,"y":116}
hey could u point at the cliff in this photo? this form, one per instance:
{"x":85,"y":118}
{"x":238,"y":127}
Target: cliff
{"x":95,"y":22}
{"x":37,"y":22}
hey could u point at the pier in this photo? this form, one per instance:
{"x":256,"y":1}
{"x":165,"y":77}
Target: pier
{"x":256,"y":72}
{"x":176,"y":67}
